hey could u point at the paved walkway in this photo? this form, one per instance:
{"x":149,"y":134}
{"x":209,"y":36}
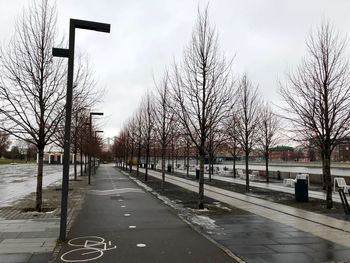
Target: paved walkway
{"x":120,"y":222}
{"x":270,"y":186}
{"x":27,"y":240}
{"x":290,"y":234}
{"x":31,"y":237}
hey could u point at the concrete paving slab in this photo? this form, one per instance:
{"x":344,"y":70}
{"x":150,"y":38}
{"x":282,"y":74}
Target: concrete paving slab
{"x":15,"y":258}
{"x":290,"y":248}
{"x":28,"y":240}
{"x":40,"y":258}
{"x":6,"y":235}
{"x":41,"y":234}
{"x":279,"y":258}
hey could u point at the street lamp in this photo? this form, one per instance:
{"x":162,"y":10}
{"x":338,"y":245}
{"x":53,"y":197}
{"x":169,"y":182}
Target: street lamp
{"x":69,"y":53}
{"x":90,"y":151}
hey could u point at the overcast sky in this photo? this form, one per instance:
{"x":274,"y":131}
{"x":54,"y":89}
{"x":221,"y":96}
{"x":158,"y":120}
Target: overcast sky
{"x":267,"y":38}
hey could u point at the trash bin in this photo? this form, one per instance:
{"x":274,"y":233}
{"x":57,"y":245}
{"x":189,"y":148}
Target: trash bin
{"x":169,"y":168}
{"x":301,"y":190}
{"x":278,"y":175}
{"x":197,"y":173}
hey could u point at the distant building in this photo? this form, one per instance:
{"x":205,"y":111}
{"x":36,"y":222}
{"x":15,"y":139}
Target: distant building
{"x":54,"y":155}
{"x":282,"y":154}
{"x":341,"y":152}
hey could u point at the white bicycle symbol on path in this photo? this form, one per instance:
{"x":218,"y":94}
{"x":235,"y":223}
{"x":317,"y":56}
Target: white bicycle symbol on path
{"x":89,"y":248}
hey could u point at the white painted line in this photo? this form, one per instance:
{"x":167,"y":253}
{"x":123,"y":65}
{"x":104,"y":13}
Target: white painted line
{"x":132,"y":226}
{"x":141,"y":245}
{"x":116,"y":191}
{"x":122,"y":206}
{"x":126,"y":214}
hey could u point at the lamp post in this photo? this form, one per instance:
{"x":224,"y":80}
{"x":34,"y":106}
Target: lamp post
{"x":90,"y":136}
{"x":69,"y":53}
{"x":96,"y":154}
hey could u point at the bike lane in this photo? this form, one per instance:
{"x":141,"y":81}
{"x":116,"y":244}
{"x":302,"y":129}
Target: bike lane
{"x":120,"y":222}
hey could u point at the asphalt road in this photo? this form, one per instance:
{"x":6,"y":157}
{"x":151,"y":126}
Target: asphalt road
{"x":120,"y":222}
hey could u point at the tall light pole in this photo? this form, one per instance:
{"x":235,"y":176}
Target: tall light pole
{"x":90,"y":151}
{"x":69,"y":53}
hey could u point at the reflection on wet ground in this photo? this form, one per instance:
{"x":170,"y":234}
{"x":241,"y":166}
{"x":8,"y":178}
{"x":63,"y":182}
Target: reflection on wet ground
{"x":258,"y":239}
{"x":18,"y":180}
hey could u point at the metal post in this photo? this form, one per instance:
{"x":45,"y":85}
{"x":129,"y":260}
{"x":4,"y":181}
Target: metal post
{"x":65,"y":179}
{"x":59,"y":52}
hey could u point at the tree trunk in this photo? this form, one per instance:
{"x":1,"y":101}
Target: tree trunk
{"x":75,"y":165}
{"x":39,"y":185}
{"x":147,"y":160}
{"x":324,"y":183}
{"x":246,"y":171}
{"x":163,"y":167}
{"x":172,"y":157}
{"x":188,"y":160}
{"x":267,"y":166}
{"x":210,"y":166}
{"x":138,"y":159}
{"x":201,"y":181}
{"x":234,"y":166}
{"x":131,"y":158}
{"x":328,"y":180}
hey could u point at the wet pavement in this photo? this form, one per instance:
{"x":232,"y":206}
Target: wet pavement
{"x":257,"y":239}
{"x":120,"y":222}
{"x":124,"y":223}
{"x":272,"y":232}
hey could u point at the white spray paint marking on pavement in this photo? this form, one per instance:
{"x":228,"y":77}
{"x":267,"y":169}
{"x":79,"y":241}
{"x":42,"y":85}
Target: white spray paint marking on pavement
{"x":88,"y":248}
{"x":116,"y":191}
{"x":141,"y":245}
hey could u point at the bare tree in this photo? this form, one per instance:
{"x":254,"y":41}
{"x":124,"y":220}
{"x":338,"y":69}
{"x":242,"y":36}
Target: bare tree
{"x":268,"y":133}
{"x":318,"y":96}
{"x":85,"y":96}
{"x":147,"y":125}
{"x":32,"y":88}
{"x":201,"y":87}
{"x":248,"y":105}
{"x":216,"y":139}
{"x":138,"y":137}
{"x":132,"y":127}
{"x":4,"y":142}
{"x":163,"y":120}
{"x":231,"y":138}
